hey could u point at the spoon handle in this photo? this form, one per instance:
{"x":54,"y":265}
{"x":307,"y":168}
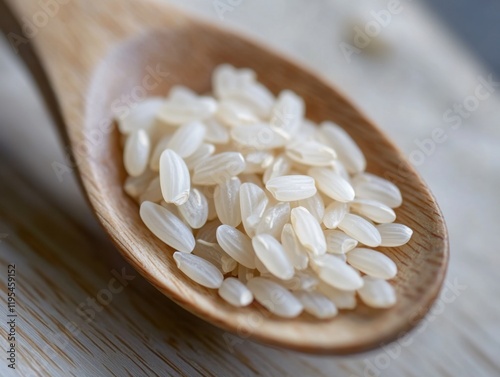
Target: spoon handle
{"x":63,"y":42}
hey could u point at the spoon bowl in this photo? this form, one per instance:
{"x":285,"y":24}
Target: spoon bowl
{"x":92,"y":60}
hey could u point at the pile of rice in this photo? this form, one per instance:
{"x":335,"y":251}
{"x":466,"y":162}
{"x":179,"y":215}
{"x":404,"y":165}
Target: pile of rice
{"x":259,"y":202}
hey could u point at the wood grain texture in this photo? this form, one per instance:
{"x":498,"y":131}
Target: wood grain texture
{"x":95,"y":54}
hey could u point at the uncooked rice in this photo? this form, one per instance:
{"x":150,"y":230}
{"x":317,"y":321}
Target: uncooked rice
{"x":259,"y":202}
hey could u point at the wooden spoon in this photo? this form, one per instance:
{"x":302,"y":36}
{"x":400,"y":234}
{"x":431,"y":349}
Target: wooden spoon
{"x":93,"y":58}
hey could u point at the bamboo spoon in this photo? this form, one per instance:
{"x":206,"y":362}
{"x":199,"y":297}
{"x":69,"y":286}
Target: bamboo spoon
{"x":90,"y":58}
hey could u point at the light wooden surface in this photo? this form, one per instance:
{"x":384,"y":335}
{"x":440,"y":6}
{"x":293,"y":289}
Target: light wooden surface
{"x":423,"y":75}
{"x":154,"y":42}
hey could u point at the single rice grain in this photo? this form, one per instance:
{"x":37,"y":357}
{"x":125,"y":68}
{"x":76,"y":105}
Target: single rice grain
{"x":199,"y":270}
{"x":377,"y":293}
{"x":175,"y":181}
{"x":275,"y":298}
{"x":394,"y":234}
{"x":372,"y":262}
{"x":290,"y":188}
{"x":167,"y":227}
{"x":236,"y":244}
{"x":361,"y":230}
{"x":308,"y":231}
{"x":235,"y":292}
{"x":271,"y":254}
{"x":317,"y":304}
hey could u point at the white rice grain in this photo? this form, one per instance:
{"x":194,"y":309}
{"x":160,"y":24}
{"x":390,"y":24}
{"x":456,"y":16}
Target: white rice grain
{"x":195,"y":210}
{"x":341,"y":298}
{"x":377,"y":293}
{"x":177,"y":111}
{"x":373,"y":210}
{"x":235,"y":292}
{"x":336,"y":272}
{"x":317,"y":304}
{"x":311,"y":153}
{"x":308,"y":231}
{"x":136,"y":152}
{"x":167,"y":227}
{"x":334,"y":213}
{"x":369,"y":186}
{"x":274,"y":219}
{"x":314,"y":205}
{"x":234,"y":114}
{"x":394,"y":235}
{"x":187,"y":139}
{"x":337,"y":242}
{"x":290,"y":188}
{"x":227,"y":202}
{"x":261,"y":267}
{"x":332,"y":184}
{"x":175,"y":181}
{"x":280,"y":166}
{"x":258,"y":161}
{"x":361,"y":230}
{"x":301,"y":281}
{"x":200,"y":155}
{"x":275,"y":298}
{"x":142,"y":115}
{"x":347,"y":150}
{"x":253,"y":203}
{"x":297,"y":253}
{"x":211,"y":252}
{"x":237,"y":245}
{"x":218,"y":168}
{"x":271,"y":254}
{"x":199,"y":270}
{"x":287,"y":114}
{"x":372,"y":262}
{"x":240,"y":85}
{"x":258,"y":135}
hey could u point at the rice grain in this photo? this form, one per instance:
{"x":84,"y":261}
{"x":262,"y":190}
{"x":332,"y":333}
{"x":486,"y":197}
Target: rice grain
{"x":361,"y":230}
{"x":136,"y":152}
{"x":187,"y":139}
{"x":235,"y":292}
{"x":167,"y":227}
{"x":335,"y":272}
{"x":175,"y":181}
{"x":347,"y":150}
{"x":290,"y":188}
{"x":317,"y":304}
{"x":275,"y":298}
{"x":199,"y":270}
{"x":271,"y":254}
{"x":218,"y":168}
{"x":377,"y":293}
{"x":227,"y":202}
{"x":394,"y":235}
{"x":332,"y":184}
{"x":237,"y":245}
{"x":308,"y":231}
{"x":195,"y":210}
{"x":372,"y":262}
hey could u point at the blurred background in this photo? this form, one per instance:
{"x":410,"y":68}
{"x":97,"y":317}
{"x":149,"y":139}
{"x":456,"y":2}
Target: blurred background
{"x":414,"y":67}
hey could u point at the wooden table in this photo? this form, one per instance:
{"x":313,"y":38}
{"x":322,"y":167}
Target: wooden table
{"x":77,"y":315}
